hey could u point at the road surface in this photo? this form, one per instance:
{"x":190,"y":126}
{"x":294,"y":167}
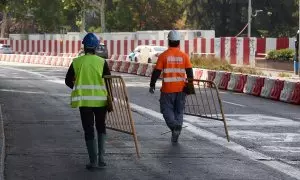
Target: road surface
{"x":44,"y":138}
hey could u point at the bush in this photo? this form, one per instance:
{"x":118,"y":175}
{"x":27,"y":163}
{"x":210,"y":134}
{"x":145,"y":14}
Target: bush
{"x":214,"y":63}
{"x":281,"y":55}
{"x":211,"y":63}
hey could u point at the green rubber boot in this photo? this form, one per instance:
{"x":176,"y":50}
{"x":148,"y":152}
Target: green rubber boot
{"x":91,"y":147}
{"x":101,"y":151}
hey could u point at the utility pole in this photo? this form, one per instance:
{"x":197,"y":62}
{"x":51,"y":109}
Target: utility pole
{"x":250,"y":17}
{"x":4,"y":23}
{"x":298,"y":42}
{"x":83,"y":17}
{"x":102,"y":12}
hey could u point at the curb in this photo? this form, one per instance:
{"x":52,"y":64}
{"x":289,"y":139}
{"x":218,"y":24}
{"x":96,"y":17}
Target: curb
{"x":2,"y":145}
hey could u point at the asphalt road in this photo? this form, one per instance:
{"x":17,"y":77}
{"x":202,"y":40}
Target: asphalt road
{"x":44,"y":138}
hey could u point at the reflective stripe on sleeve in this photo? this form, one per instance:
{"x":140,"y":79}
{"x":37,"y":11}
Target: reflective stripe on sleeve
{"x":89,"y":98}
{"x":174,"y":79}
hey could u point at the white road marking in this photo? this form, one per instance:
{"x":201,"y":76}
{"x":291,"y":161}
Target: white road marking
{"x":269,"y":137}
{"x":34,"y":92}
{"x":253,"y":155}
{"x":281,"y":149}
{"x":235,"y":104}
{"x":245,"y":120}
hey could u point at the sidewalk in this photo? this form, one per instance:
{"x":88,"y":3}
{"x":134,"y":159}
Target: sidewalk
{"x":276,"y":74}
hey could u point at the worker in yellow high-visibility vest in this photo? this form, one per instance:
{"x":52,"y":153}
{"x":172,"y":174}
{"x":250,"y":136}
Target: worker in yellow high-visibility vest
{"x":85,"y":77}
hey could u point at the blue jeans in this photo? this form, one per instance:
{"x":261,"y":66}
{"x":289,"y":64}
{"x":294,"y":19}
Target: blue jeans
{"x":172,"y":108}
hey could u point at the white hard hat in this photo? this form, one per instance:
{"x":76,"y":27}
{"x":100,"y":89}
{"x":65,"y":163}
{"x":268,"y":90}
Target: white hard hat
{"x":173,"y":36}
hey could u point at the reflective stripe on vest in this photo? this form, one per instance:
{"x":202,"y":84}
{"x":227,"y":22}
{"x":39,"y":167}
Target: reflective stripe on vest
{"x":174,"y":70}
{"x":174,"y":79}
{"x":89,"y":98}
{"x":91,"y":87}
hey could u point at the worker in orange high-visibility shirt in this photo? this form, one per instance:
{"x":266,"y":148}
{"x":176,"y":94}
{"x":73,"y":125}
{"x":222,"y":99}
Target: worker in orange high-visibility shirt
{"x":175,"y":66}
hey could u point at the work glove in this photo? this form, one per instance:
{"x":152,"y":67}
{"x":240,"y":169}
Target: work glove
{"x":109,"y":104}
{"x":152,"y":89}
{"x":189,"y":88}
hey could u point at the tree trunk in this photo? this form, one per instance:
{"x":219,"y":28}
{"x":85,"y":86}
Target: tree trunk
{"x":102,"y":11}
{"x":83,"y":16}
{"x":4,"y":24}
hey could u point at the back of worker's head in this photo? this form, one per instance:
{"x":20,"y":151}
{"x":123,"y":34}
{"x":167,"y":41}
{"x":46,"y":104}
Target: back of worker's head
{"x":173,"y":38}
{"x":90,"y":43}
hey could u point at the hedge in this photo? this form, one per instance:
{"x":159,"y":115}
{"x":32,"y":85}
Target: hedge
{"x":281,"y":55}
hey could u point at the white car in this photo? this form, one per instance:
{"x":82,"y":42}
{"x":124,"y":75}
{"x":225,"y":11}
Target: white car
{"x":5,"y":49}
{"x":146,"y":53}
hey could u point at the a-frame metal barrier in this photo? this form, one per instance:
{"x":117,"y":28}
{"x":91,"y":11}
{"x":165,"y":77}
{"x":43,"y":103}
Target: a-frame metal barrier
{"x":120,"y":119}
{"x":206,"y":103}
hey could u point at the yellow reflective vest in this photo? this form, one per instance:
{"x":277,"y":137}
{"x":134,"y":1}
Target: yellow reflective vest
{"x":89,"y":88}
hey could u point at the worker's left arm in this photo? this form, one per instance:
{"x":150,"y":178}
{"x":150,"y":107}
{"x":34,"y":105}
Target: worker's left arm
{"x":70,"y":76}
{"x":106,"y":72}
{"x":189,"y":68}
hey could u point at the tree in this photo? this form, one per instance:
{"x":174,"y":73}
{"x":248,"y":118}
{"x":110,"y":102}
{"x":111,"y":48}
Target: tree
{"x":132,"y":15}
{"x":3,"y":8}
{"x":228,"y":17}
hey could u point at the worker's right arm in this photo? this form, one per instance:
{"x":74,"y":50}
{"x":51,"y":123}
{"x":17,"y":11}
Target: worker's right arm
{"x":70,"y":77}
{"x":157,"y":71}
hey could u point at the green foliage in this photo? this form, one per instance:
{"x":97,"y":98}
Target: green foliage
{"x":281,"y":55}
{"x":226,"y":17}
{"x":134,"y":15}
{"x":95,"y":29}
{"x":284,"y":75}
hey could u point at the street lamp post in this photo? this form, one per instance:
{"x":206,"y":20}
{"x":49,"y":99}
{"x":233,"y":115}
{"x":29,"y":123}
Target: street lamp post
{"x":250,"y":17}
{"x":298,"y":42}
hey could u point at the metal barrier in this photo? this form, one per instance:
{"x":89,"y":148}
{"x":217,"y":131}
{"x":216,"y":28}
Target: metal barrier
{"x":120,"y":119}
{"x":206,"y":103}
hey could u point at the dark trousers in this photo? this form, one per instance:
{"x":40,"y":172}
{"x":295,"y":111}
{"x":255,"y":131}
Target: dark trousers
{"x":90,"y":115}
{"x":172,"y":108}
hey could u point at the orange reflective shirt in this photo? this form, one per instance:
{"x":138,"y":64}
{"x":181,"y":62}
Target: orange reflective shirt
{"x":173,"y":63}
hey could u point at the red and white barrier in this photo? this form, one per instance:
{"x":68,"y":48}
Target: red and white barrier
{"x":250,"y":83}
{"x":276,"y":90}
{"x":286,"y":93}
{"x":150,"y":69}
{"x":224,"y":81}
{"x":257,"y":87}
{"x":133,"y":67}
{"x":116,"y":66}
{"x":218,"y":77}
{"x":295,"y":97}
{"x":264,"y":45}
{"x":211,"y":75}
{"x":233,"y":81}
{"x":125,"y":66}
{"x":242,"y":79}
{"x":267,"y":88}
{"x":198,"y":73}
{"x":110,"y":64}
{"x":142,"y":69}
{"x":240,"y":51}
